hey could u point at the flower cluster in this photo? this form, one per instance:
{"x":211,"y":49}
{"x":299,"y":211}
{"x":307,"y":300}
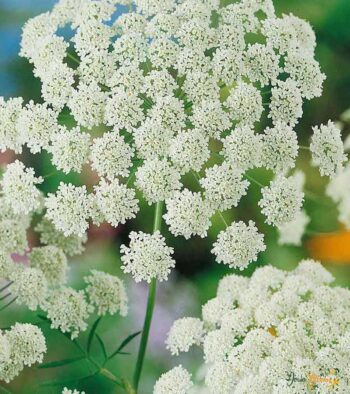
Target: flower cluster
{"x":22,"y":345}
{"x":155,"y":94}
{"x":150,"y":99}
{"x":271,"y":334}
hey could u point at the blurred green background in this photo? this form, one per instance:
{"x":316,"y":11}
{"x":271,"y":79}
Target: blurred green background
{"x":196,"y":275}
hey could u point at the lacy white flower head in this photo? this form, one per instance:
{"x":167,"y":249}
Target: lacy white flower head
{"x":68,"y":310}
{"x":152,"y":96}
{"x":147,"y":257}
{"x":18,"y":186}
{"x":293,"y":328}
{"x":327,"y":149}
{"x":107,"y":293}
{"x":51,"y":261}
{"x":22,"y":345}
{"x":29,"y":286}
{"x":238,"y":245}
{"x":175,"y":381}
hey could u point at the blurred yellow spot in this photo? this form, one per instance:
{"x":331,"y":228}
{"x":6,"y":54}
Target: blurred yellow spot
{"x":331,"y":247}
{"x":272,"y":331}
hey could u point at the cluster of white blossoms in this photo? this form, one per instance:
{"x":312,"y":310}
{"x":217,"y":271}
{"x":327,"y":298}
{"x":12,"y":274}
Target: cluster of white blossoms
{"x":22,"y":345}
{"x":148,"y":96}
{"x":43,"y":284}
{"x":276,"y":332}
{"x":156,"y":92}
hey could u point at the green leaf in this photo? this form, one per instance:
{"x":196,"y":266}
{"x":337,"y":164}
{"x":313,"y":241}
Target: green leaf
{"x":60,"y":363}
{"x":92,"y":333}
{"x":124,"y":343}
{"x":63,"y":382}
{"x":102,"y":346}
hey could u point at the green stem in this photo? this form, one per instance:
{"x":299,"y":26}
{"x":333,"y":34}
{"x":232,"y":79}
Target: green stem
{"x":150,"y":307}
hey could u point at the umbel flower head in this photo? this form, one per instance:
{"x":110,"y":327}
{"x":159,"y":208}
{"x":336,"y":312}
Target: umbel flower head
{"x":107,"y":293}
{"x":153,"y":96}
{"x":272,"y":332}
{"x":21,"y":345}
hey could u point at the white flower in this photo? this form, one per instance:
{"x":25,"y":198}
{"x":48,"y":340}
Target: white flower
{"x":13,"y":236}
{"x":67,"y":391}
{"x":70,"y":149}
{"x":327,"y":149}
{"x":243,"y":148}
{"x":115,"y":201}
{"x":107,"y":293}
{"x":162,"y":25}
{"x":36,"y":125}
{"x":27,"y":344}
{"x":227,"y":65}
{"x":69,"y":209}
{"x":147,"y":257}
{"x":220,"y":378}
{"x":238,"y":245}
{"x":169,"y":112}
{"x":289,"y":34}
{"x":5,"y":350}
{"x":123,"y":110}
{"x":188,"y":61}
{"x":159,"y":83}
{"x":223,"y":186}
{"x":57,"y":84}
{"x":152,"y":139}
{"x":200,"y":86}
{"x":290,"y":233}
{"x":51,"y":261}
{"x":92,"y":36}
{"x":305,"y":71}
{"x":261,"y":64}
{"x":7,"y":266}
{"x":87,"y":104}
{"x":286,"y":103}
{"x":111,"y":156}
{"x":188,"y":214}
{"x":196,"y":33}
{"x":183,"y":334}
{"x":34,"y":31}
{"x":230,"y":287}
{"x":128,"y":77}
{"x":29,"y":287}
{"x":130,"y":49}
{"x":279,"y":322}
{"x":245,"y":104}
{"x":210,"y":117}
{"x":68,"y":310}
{"x":9,"y":134}
{"x":162,"y":52}
{"x":49,"y":235}
{"x":157,"y":179}
{"x":214,"y":310}
{"x":130,"y":23}
{"x":280,"y":148}
{"x":175,"y":381}
{"x":19,"y":188}
{"x":217,"y":344}
{"x":281,"y":201}
{"x":189,"y":150}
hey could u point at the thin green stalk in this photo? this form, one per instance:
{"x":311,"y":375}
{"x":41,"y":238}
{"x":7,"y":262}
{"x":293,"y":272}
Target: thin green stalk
{"x":150,"y":307}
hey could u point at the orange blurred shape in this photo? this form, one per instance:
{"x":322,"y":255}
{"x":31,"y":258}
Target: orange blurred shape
{"x":333,"y":247}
